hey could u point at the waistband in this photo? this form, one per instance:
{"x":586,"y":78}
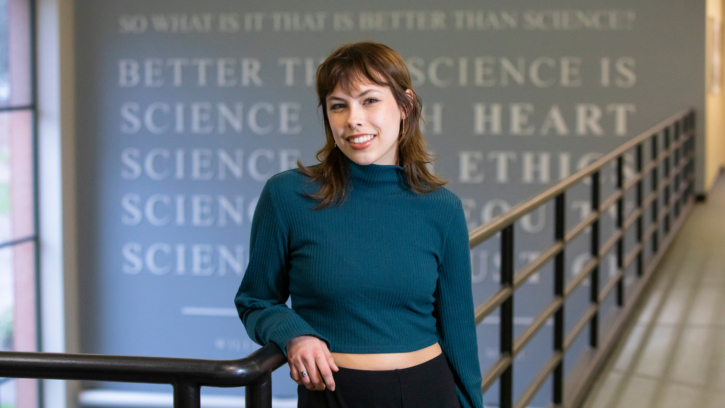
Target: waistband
{"x":420,"y":372}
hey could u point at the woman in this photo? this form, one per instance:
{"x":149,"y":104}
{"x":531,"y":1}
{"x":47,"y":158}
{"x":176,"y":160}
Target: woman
{"x":373,"y":251}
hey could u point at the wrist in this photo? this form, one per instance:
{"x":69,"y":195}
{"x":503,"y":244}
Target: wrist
{"x":297,"y":339}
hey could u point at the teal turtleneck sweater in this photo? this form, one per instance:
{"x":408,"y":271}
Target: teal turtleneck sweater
{"x":388,"y":271}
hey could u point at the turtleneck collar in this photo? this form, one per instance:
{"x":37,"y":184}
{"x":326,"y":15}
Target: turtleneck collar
{"x":375,"y":177}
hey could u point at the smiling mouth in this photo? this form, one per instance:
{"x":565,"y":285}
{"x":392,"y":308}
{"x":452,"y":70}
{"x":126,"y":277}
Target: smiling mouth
{"x":358,"y":139}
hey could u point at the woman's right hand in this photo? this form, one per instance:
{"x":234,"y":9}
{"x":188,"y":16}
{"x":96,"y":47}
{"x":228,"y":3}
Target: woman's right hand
{"x":310,"y":354}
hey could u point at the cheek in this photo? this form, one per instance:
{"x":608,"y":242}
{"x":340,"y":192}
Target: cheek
{"x":335,"y":123}
{"x":386,"y":118}
{"x":391,"y":123}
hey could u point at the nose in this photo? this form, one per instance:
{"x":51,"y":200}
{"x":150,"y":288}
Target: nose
{"x":354,"y":120}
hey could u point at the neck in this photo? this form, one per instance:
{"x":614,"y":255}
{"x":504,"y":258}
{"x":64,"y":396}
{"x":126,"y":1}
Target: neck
{"x":376,"y":178}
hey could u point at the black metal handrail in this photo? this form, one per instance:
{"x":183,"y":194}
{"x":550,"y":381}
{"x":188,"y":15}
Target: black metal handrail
{"x":677,"y":159}
{"x":254,"y":371}
{"x":186,"y":375}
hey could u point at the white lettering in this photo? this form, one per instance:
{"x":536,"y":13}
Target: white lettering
{"x":469,"y":172}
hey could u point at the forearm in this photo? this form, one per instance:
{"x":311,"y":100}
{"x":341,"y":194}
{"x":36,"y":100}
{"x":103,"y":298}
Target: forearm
{"x":278,"y":324}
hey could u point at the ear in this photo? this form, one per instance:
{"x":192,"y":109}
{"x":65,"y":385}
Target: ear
{"x":404,"y":112}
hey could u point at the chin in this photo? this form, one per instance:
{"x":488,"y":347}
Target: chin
{"x":362,"y":159}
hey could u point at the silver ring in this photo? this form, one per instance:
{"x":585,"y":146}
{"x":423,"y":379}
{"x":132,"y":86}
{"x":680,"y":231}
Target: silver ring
{"x":304,"y":373}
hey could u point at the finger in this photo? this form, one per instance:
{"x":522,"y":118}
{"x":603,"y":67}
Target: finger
{"x":315,"y":378}
{"x":305,"y":381}
{"x":331,"y":362}
{"x":304,"y":378}
{"x":294,"y":373}
{"x":325,"y":372}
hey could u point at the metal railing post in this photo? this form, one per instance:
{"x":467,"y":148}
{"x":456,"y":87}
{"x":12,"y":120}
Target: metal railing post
{"x":594,"y":250}
{"x":259,"y":395}
{"x":656,"y":201}
{"x":685,"y":155}
{"x":693,"y":141}
{"x":640,"y":229}
{"x":677,"y":164}
{"x":620,"y":228}
{"x":559,"y":282}
{"x":187,"y":395}
{"x":665,"y":176}
{"x":506,"y":395}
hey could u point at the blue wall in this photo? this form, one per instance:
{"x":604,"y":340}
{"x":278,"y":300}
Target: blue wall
{"x":185,"y":108}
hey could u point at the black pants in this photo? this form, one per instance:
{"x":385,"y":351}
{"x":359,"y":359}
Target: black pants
{"x":426,"y":385}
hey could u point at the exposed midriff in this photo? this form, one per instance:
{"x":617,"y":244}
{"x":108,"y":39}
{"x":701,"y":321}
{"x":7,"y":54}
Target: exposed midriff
{"x":386,"y":361}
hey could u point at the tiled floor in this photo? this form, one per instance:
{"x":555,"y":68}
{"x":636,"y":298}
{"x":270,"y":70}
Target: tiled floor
{"x":674,"y":355}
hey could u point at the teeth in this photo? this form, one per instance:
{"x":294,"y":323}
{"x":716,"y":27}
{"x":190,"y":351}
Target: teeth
{"x":361,"y":139}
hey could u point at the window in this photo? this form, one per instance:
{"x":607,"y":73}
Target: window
{"x":18,"y":212}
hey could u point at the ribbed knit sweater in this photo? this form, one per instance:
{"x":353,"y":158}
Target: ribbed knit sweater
{"x":388,"y":271}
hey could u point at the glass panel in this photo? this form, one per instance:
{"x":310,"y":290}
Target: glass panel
{"x":16,"y":175}
{"x":18,"y":318}
{"x":4,"y":84}
{"x":6,"y":299}
{"x":8,"y":388}
{"x":15,"y":53}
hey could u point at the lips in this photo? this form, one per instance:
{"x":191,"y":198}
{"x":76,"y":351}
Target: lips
{"x":350,"y":138}
{"x":363,"y":145}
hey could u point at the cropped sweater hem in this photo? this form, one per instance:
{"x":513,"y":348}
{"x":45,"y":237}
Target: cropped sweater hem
{"x":402,"y":348}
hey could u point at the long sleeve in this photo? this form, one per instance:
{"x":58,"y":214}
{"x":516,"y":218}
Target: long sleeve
{"x":453,"y":309}
{"x":261,"y":297}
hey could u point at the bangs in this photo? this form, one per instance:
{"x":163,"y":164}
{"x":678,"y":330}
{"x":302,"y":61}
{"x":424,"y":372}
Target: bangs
{"x":349,"y":71}
{"x":349,"y":76}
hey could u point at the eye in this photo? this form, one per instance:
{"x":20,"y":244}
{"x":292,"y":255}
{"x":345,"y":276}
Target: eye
{"x":336,"y":106}
{"x":372,"y":100}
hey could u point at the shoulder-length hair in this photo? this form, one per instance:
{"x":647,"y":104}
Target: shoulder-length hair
{"x":349,"y":65}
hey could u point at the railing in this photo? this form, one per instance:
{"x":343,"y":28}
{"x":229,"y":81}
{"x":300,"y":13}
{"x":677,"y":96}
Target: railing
{"x":677,"y":160}
{"x":254,"y":371}
{"x":187,"y":376}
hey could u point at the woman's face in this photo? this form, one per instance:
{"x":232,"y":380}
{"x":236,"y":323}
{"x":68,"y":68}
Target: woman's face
{"x":366,"y":123}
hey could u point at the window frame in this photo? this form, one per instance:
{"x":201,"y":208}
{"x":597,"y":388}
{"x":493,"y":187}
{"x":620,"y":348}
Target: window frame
{"x":28,"y":38}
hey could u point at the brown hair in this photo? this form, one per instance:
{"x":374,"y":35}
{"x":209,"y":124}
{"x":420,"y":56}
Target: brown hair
{"x":376,"y":63}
